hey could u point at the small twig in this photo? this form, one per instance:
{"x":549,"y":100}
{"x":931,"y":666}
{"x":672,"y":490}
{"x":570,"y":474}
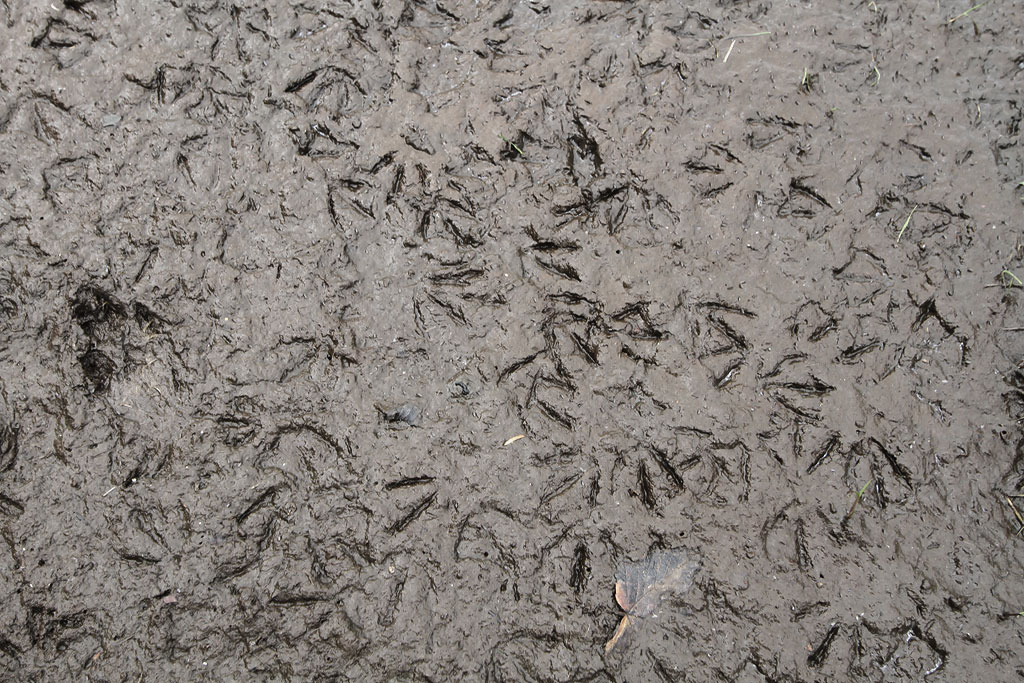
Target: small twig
{"x":748,"y":35}
{"x":729,"y":51}
{"x":735,"y":38}
{"x":906,"y":223}
{"x":968,"y":11}
{"x":1016,"y":513}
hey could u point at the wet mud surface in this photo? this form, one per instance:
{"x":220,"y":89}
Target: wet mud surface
{"x":281,"y":282}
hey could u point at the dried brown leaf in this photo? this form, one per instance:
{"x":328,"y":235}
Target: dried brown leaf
{"x":622,"y":596}
{"x":641,"y":586}
{"x":623,"y":623}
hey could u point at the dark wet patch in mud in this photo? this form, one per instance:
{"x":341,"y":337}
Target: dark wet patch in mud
{"x":370,"y":340}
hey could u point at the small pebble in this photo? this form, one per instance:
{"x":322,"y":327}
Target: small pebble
{"x":408,"y":413}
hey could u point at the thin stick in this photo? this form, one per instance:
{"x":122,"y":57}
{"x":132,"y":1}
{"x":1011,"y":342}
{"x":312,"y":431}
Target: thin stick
{"x":906,"y":223}
{"x":736,"y":37}
{"x":750,"y":35}
{"x":1016,"y":514}
{"x":729,"y":51}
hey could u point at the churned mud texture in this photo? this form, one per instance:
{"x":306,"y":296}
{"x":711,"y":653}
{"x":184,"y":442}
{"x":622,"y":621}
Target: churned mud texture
{"x":281,"y":282}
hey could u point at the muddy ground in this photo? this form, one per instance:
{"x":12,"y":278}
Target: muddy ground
{"x":278,"y":282}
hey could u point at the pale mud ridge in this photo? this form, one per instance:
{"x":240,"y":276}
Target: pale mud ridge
{"x":279,"y":280}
